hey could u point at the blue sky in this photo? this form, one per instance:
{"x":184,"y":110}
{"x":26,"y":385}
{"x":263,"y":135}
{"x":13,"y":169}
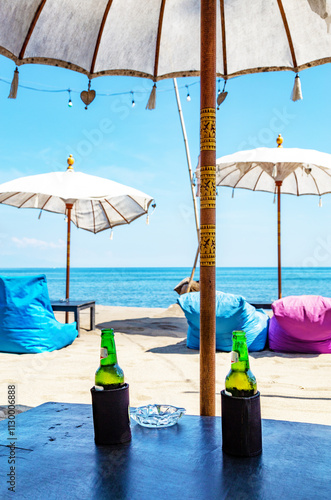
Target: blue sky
{"x":145,"y":149}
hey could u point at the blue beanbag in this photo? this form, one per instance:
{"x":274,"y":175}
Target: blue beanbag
{"x":232,"y":313}
{"x":27,"y":321}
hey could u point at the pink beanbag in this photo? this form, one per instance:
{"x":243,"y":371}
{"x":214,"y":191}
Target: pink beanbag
{"x":301,"y":324}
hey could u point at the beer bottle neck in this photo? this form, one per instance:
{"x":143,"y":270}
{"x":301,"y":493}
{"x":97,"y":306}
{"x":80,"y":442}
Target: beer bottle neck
{"x":108,"y":350}
{"x":240,"y":359}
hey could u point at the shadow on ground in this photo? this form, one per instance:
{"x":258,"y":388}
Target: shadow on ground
{"x":153,"y":327}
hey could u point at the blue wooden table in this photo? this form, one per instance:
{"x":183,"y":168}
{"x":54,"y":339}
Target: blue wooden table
{"x":56,"y":458}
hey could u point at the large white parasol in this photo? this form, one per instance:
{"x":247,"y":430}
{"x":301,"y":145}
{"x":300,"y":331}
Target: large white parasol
{"x":91,"y":203}
{"x":277,"y":170}
{"x":159,"y":39}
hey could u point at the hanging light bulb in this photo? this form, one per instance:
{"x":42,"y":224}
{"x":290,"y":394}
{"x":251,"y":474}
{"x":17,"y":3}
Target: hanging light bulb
{"x":188,"y":97}
{"x":70,"y":101}
{"x":132,"y":102}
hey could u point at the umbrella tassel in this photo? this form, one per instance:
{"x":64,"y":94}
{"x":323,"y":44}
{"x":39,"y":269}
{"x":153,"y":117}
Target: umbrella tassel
{"x":152,"y":98}
{"x":40,"y":214}
{"x":14,"y":85}
{"x":296,"y":92}
{"x":111,"y":237}
{"x":274,"y":198}
{"x":274,"y":171}
{"x":147,"y":216}
{"x":320,"y":202}
{"x":233,"y":193}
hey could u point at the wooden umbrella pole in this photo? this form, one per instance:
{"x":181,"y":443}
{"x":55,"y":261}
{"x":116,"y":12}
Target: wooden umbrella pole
{"x":207,"y":207}
{"x":68,"y":207}
{"x":279,"y":185}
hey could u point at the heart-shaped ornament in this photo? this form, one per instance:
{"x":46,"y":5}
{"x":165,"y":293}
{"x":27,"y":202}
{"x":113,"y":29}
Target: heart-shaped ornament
{"x":87,"y":96}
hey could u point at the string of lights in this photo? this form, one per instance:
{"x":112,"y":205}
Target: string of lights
{"x":71,"y":91}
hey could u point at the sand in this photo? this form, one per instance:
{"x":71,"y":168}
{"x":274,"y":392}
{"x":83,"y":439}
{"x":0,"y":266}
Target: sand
{"x":151,"y":349}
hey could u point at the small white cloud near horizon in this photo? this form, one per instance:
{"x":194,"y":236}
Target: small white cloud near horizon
{"x":34,"y":243}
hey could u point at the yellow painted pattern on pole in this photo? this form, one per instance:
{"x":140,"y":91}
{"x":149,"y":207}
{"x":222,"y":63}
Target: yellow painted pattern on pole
{"x":208,"y":187}
{"x":208,"y":129}
{"x":207,"y":245}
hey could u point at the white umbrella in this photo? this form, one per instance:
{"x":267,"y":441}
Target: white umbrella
{"x":91,"y":203}
{"x":282,"y":170}
{"x":158,"y":39}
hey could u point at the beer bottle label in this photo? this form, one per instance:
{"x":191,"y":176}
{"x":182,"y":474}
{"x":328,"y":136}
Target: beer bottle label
{"x":234,"y":357}
{"x":103,"y":353}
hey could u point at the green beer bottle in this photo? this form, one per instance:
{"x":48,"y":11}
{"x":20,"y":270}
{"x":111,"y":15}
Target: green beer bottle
{"x":240,"y":381}
{"x":109,"y":375}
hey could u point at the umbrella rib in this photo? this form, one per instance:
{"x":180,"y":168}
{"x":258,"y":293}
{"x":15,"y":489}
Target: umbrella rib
{"x":10,"y":196}
{"x":97,"y":45}
{"x":106,"y":215}
{"x":20,"y":206}
{"x":31,"y":28}
{"x":318,"y":191}
{"x":93,"y":213}
{"x":112,"y":206}
{"x":242,"y":176}
{"x":288,"y":33}
{"x":225,"y":63}
{"x":259,"y":177}
{"x":297,"y":182}
{"x":158,"y":40}
{"x":76,"y":215}
{"x":229,"y":173}
{"x":44,"y":205}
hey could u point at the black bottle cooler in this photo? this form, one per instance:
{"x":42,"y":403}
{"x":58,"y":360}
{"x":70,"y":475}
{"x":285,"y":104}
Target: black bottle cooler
{"x":111,"y":417}
{"x":241,"y":425}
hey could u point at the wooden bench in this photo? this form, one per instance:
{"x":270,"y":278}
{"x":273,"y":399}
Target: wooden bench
{"x":260,"y":305}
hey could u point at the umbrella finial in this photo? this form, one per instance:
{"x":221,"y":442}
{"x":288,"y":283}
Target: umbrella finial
{"x":279,"y":141}
{"x":70,"y":162}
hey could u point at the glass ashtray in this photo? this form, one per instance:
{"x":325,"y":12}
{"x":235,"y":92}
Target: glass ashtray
{"x":157,"y":416}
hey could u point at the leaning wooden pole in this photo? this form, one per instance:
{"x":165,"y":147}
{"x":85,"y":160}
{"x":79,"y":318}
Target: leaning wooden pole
{"x":188,"y":157}
{"x":279,"y":243}
{"x":68,"y":207}
{"x":207,"y":207}
{"x":189,"y":166}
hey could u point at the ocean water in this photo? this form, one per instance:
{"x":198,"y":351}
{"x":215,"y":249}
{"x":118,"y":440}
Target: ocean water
{"x":153,"y":287}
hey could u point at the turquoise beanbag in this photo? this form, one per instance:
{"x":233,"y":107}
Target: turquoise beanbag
{"x":27,"y":321}
{"x":232,"y":313}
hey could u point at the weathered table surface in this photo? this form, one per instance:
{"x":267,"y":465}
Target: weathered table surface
{"x":56,"y":458}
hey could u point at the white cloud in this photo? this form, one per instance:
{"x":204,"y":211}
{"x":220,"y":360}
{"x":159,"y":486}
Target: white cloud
{"x":34,"y":243}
